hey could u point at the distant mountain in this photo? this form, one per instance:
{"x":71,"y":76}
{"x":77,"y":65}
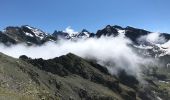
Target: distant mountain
{"x":147,"y":48}
{"x":129,"y":32}
{"x":24,"y":34}
{"x":84,"y":34}
{"x":108,"y":31}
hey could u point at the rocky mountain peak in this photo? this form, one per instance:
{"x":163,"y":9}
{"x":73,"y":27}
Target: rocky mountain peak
{"x":107,"y":31}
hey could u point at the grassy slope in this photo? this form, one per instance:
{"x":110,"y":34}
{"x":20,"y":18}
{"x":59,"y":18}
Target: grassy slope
{"x":20,"y":80}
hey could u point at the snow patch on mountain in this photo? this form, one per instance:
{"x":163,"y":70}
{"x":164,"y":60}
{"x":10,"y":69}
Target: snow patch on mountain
{"x":74,"y":35}
{"x":121,"y":32}
{"x":29,"y":34}
{"x":38,"y":33}
{"x":156,"y":44}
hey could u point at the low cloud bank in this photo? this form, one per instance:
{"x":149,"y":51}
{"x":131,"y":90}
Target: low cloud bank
{"x":114,"y":53}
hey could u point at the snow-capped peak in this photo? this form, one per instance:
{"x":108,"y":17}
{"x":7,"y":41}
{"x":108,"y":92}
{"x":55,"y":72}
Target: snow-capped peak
{"x":84,"y":34}
{"x":74,"y":35}
{"x":37,"y":32}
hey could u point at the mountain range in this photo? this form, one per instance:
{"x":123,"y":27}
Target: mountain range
{"x":70,"y":77}
{"x":30,"y":35}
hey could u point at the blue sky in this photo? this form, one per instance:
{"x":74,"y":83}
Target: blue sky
{"x":51,"y":15}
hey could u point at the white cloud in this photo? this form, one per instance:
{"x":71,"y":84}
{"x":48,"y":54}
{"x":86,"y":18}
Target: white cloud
{"x":111,"y":52}
{"x":70,"y":31}
{"x":153,"y":38}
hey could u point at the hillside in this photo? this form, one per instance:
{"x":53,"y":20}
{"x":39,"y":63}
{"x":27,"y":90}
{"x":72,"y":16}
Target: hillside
{"x":23,"y":80}
{"x":66,"y":77}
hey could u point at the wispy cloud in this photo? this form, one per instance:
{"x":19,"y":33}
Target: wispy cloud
{"x":70,"y":31}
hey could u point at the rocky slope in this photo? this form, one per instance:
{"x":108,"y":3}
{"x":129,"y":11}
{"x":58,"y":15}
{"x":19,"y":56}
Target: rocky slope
{"x":70,"y":77}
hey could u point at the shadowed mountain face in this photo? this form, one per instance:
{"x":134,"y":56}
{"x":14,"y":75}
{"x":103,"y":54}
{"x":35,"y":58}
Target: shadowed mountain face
{"x":134,"y":33}
{"x":108,"y":31}
{"x":6,"y":40}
